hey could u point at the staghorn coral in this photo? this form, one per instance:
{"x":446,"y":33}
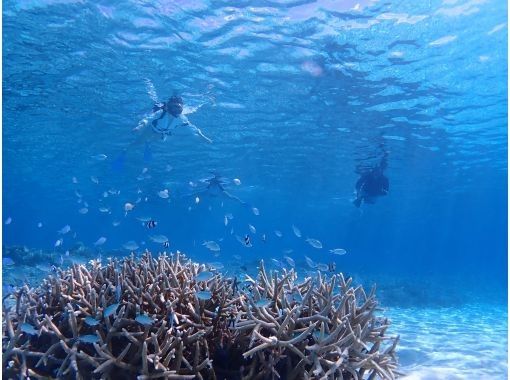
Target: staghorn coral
{"x":170,"y":318}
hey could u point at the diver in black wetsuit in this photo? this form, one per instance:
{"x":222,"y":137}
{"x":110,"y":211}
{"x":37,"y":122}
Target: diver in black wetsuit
{"x":372,"y":184}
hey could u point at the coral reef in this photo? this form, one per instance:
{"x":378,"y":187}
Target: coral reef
{"x":170,"y":318}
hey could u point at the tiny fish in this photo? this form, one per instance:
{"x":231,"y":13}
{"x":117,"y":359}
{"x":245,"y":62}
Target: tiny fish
{"x":172,"y":319}
{"x":83,"y":210}
{"x":204,"y":276}
{"x":89,"y":338}
{"x":163,"y":194}
{"x":158,"y":238}
{"x":64,"y":230}
{"x":75,"y":180}
{"x":252,"y":229}
{"x":263,"y":238}
{"x":144,"y":320}
{"x":247,"y":241}
{"x":151,"y":224}
{"x":8,"y":220}
{"x":59,"y":242}
{"x":99,"y":157}
{"x":319,"y":336}
{"x":255,"y":211}
{"x":77,"y":193}
{"x":144,"y":218}
{"x":91,"y":321}
{"x":100,"y":241}
{"x":130,"y":245}
{"x":263,"y":302}
{"x":204,"y":295}
{"x":296,"y":230}
{"x":27,"y":328}
{"x":322,"y":267}
{"x":118,"y":293}
{"x":314,"y":243}
{"x":105,"y":194}
{"x":166,"y":244}
{"x":290,"y":261}
{"x":310,"y":262}
{"x":94,"y":179}
{"x":197,"y":200}
{"x":225,"y":221}
{"x":7,"y":261}
{"x":229,"y":216}
{"x":104,"y":209}
{"x":110,"y":310}
{"x":338,"y":251}
{"x":39,"y":224}
{"x":278,"y":233}
{"x":115,"y":223}
{"x":211,"y":245}
{"x":237,"y":181}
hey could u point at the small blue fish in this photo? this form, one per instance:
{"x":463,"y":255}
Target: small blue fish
{"x":88,"y":339}
{"x":27,"y":328}
{"x":91,"y":321}
{"x":263,"y":302}
{"x":204,"y":276}
{"x":144,"y":320}
{"x":7,"y":261}
{"x":318,"y":336}
{"x":118,"y":293}
{"x":110,"y":310}
{"x":204,"y":295}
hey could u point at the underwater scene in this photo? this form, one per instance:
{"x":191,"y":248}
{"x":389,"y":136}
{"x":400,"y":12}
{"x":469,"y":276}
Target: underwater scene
{"x":266,"y":189}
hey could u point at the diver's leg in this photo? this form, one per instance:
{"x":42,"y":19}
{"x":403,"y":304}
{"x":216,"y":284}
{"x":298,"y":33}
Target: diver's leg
{"x":142,"y":138}
{"x":230,"y":196}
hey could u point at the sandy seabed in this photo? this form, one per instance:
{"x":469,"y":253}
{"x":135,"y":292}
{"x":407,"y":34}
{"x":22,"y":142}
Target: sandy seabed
{"x":465,"y":342}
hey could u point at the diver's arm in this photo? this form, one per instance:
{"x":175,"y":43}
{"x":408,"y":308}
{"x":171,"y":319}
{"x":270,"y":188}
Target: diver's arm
{"x":196,"y":131}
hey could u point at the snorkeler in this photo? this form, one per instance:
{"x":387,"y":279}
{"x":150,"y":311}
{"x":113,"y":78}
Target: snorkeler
{"x":372,"y":184}
{"x":215,"y":186}
{"x":167,"y":119}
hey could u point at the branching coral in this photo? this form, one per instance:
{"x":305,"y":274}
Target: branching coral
{"x":170,"y":318}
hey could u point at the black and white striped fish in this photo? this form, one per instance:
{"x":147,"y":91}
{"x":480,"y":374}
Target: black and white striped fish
{"x":166,"y":244}
{"x":151,"y":224}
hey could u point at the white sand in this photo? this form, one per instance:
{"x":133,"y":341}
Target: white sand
{"x":467,"y":342}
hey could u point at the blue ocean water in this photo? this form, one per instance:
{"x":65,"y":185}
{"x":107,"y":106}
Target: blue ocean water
{"x":300,"y":98}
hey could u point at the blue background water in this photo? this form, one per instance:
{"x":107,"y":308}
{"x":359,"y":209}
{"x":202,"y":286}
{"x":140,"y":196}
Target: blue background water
{"x":296,"y":95}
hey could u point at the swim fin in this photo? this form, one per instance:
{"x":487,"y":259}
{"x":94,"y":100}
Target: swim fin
{"x":118,"y":163}
{"x":147,"y":153}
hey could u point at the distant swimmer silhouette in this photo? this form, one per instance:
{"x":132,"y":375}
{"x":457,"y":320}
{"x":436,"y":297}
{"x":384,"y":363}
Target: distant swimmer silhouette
{"x":372,"y":184}
{"x":215,"y":187}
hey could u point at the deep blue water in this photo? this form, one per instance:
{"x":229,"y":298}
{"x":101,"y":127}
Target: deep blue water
{"x":297,"y":96}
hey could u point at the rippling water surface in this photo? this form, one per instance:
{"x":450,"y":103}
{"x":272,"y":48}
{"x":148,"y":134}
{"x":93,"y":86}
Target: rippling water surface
{"x":299,"y":97}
